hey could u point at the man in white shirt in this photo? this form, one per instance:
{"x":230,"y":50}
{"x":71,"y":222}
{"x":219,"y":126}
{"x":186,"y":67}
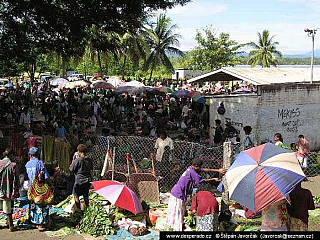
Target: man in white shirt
{"x":162,"y":141}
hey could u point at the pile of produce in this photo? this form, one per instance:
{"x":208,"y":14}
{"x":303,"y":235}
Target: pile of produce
{"x":99,"y":218}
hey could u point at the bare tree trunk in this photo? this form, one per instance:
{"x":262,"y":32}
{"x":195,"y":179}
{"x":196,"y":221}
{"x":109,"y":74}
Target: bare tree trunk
{"x":151,"y":74}
{"x":100,"y":64}
{"x":124,"y":66}
{"x":64,"y":65}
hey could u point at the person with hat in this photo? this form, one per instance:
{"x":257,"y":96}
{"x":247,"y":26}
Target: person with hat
{"x":190,"y":179}
{"x":38,"y":213}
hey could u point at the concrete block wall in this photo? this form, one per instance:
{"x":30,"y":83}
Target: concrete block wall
{"x":241,"y":110}
{"x":290,"y":109}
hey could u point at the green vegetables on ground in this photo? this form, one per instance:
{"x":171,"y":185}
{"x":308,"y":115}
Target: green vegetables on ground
{"x":316,"y":199}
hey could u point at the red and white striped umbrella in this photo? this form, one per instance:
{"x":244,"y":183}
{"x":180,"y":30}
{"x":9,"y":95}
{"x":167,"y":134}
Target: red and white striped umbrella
{"x":118,"y":194}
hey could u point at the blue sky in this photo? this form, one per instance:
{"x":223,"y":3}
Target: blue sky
{"x":242,"y":19}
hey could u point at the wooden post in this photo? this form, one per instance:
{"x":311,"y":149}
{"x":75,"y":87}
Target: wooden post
{"x":113,"y":161}
{"x":226,"y":164}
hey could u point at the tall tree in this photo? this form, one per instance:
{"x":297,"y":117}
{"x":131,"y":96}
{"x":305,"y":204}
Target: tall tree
{"x":213,"y":52}
{"x":162,"y":40}
{"x":133,"y":47}
{"x":265,"y":52}
{"x":28,"y":28}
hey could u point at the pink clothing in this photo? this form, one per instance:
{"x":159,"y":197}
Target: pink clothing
{"x":175,"y":214}
{"x":303,"y":147}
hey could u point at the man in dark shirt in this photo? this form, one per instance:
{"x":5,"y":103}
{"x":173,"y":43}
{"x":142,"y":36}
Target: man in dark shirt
{"x":301,"y":202}
{"x":81,"y":167}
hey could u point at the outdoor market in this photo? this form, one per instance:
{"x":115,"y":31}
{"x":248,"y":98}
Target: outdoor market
{"x":154,"y":175}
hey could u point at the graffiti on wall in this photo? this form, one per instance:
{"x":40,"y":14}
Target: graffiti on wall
{"x":289,"y":118}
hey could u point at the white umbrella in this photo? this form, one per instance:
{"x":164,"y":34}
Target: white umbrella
{"x":58,"y":81}
{"x":132,"y":84}
{"x":114,"y":81}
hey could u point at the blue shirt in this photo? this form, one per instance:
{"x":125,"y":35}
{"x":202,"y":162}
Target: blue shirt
{"x":33,"y":165}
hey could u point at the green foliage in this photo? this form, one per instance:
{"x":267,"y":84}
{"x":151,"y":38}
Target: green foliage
{"x":213,"y":52}
{"x":96,"y":221}
{"x":29,"y":29}
{"x":162,"y":39}
{"x":264,"y":52}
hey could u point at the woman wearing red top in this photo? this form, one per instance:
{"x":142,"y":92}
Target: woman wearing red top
{"x":206,"y":206}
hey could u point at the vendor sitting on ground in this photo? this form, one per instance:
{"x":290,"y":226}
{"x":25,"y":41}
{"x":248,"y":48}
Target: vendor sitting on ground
{"x":190,"y":179}
{"x":206,"y":206}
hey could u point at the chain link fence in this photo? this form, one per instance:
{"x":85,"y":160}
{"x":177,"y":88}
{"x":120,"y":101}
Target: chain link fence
{"x":140,"y":150}
{"x":168,"y":171}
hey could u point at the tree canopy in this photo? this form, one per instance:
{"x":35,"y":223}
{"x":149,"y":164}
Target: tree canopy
{"x":29,"y":28}
{"x":264,"y":52}
{"x":162,"y":39}
{"x":214,"y":52}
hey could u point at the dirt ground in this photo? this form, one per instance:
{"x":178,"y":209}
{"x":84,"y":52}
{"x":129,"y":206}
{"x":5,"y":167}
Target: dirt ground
{"x":312,"y":184}
{"x":33,"y":234}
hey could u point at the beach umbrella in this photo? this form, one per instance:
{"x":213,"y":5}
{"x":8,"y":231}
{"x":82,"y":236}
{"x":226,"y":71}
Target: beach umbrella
{"x":165,"y":90}
{"x":130,"y":90}
{"x":180,"y":93}
{"x":199,"y":100}
{"x":118,"y":194}
{"x":134,"y":83}
{"x":194,"y":94}
{"x":58,"y":81}
{"x":9,"y":85}
{"x":102,"y":85}
{"x":243,"y":90}
{"x":115,"y":81}
{"x":263,"y":175}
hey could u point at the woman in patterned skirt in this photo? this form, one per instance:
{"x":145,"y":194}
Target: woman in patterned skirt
{"x":205,"y":205}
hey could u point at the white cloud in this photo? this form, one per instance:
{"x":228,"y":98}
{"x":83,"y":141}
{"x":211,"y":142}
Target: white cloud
{"x":291,"y":37}
{"x":198,"y":9}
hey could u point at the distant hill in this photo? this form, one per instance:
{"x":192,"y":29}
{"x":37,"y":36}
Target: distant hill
{"x":303,"y":55}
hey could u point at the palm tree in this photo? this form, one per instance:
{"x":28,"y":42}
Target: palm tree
{"x":132,"y":46}
{"x":162,"y":40}
{"x":265,"y":51}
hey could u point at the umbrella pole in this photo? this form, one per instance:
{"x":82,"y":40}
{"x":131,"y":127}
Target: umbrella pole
{"x":113,"y":161}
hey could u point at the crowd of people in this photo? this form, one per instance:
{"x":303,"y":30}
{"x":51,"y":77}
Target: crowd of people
{"x":77,"y":112}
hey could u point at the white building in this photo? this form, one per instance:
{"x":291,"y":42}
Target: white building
{"x":186,"y":74}
{"x":285,"y":102}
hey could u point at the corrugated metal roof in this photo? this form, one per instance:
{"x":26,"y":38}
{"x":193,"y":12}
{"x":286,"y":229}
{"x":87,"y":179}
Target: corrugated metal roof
{"x":261,"y":76}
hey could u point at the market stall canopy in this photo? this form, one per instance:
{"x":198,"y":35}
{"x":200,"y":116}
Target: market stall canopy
{"x":259,"y":76}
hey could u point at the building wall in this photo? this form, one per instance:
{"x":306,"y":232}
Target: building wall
{"x":241,"y":110}
{"x":290,"y":109}
{"x":186,"y":74}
